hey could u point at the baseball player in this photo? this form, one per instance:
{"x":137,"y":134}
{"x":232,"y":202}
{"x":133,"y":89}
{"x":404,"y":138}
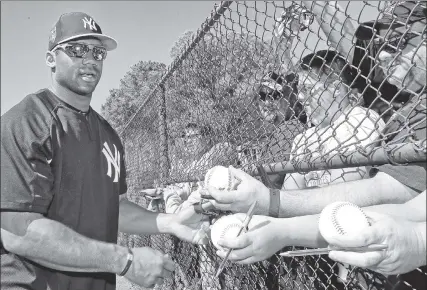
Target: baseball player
{"x":64,"y":181}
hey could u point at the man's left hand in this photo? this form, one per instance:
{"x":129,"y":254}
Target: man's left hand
{"x":405,"y":252}
{"x":190,"y":226}
{"x":262,"y":241}
{"x":240,"y":200}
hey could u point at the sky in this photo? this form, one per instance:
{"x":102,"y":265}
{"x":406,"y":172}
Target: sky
{"x":145,"y":30}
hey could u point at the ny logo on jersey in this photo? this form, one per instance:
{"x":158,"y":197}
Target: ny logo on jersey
{"x":112,"y":160}
{"x":89,"y":22}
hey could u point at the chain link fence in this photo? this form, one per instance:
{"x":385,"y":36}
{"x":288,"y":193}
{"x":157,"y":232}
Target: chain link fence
{"x":284,"y":86}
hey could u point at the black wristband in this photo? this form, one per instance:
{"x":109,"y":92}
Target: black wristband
{"x":128,"y":263}
{"x":274,"y":209}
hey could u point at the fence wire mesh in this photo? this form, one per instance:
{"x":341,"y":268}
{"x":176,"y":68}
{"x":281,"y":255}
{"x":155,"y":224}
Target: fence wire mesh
{"x":289,"y":86}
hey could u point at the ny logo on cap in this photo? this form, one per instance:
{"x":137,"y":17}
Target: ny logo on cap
{"x":89,"y":22}
{"x":52,"y":34}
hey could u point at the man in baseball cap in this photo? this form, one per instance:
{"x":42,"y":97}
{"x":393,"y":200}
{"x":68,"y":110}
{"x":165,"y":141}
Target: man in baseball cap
{"x":404,"y":17}
{"x":395,"y":20}
{"x":64,"y":185}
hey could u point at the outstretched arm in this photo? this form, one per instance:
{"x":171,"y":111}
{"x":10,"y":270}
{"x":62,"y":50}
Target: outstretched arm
{"x":268,"y":235}
{"x":137,"y":220}
{"x":185,"y":224}
{"x":292,"y":20}
{"x":380,"y":189}
{"x":337,"y":27}
{"x":56,"y":246}
{"x":412,"y":210}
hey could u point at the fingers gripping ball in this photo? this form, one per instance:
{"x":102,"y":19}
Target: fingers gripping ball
{"x":341,"y":218}
{"x":220,"y":178}
{"x":225,"y":227}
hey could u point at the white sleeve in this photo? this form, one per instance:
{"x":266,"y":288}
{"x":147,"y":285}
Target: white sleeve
{"x":297,"y":146}
{"x":368,"y":125}
{"x":174,"y":195}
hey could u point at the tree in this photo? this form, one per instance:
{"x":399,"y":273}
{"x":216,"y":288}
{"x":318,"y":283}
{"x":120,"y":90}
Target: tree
{"x":216,"y":83}
{"x":134,"y":88}
{"x":215,"y":86}
{"x":182,"y":42}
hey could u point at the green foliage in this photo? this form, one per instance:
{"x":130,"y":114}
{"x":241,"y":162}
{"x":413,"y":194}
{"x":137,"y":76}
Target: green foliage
{"x":181,"y":44}
{"x":134,"y":88}
{"x":216,"y":83}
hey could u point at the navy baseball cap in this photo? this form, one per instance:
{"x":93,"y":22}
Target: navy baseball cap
{"x":405,"y":13}
{"x":75,"y":25}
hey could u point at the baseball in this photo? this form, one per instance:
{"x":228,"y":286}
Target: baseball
{"x":225,"y":227}
{"x":341,"y":218}
{"x":220,"y":178}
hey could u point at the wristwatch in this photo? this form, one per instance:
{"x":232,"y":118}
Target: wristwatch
{"x":274,"y":203}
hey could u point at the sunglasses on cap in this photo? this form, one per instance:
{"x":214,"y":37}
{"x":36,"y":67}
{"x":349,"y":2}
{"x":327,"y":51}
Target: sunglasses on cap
{"x":191,"y":136}
{"x":397,"y":42}
{"x":266,"y":93}
{"x":81,"y":49}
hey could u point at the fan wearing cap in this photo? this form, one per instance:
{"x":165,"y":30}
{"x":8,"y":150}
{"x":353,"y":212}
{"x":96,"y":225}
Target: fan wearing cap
{"x":400,"y":42}
{"x":280,"y":111}
{"x":398,"y":34}
{"x":341,"y":124}
{"x":64,"y":181}
{"x":282,"y":114}
{"x":372,"y":77}
{"x":378,"y":92}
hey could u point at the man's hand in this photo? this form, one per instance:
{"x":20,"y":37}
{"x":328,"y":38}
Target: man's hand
{"x":239,"y":200}
{"x":293,"y":19}
{"x":190,"y":226}
{"x":149,"y":267}
{"x":405,"y":240}
{"x":264,"y":239}
{"x":153,"y":192}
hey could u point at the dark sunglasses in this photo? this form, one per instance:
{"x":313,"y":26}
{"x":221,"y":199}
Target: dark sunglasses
{"x":184,"y":136}
{"x":397,"y":43}
{"x":81,"y":49}
{"x":266,"y":93}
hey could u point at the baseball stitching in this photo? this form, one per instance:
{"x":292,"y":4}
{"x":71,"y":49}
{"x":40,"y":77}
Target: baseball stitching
{"x":227,"y":228}
{"x":229,"y":179}
{"x":209,"y":175}
{"x":337,"y":226}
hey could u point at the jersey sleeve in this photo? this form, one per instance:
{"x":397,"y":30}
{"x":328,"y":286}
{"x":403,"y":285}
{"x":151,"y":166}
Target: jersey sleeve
{"x":295,"y":143}
{"x":367,"y":126}
{"x":26,"y":152}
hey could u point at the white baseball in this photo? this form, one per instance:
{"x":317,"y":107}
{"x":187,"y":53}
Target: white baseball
{"x":341,"y":218}
{"x":219,"y":177}
{"x":225,"y":227}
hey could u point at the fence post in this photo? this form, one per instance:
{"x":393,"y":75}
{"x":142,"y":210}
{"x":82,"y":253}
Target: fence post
{"x":163,"y":143}
{"x":163,"y":138}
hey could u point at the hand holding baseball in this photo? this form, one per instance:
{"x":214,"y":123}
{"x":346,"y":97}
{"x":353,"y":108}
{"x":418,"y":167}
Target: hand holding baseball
{"x":241,"y":197}
{"x":190,"y":226}
{"x":262,"y":240}
{"x":405,"y":252}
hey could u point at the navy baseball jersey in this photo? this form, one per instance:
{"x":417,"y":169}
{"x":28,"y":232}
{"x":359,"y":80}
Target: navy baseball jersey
{"x":69,"y":166}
